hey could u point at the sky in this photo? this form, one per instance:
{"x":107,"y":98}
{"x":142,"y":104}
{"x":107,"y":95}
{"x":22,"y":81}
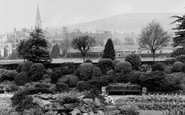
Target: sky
{"x":57,"y":13}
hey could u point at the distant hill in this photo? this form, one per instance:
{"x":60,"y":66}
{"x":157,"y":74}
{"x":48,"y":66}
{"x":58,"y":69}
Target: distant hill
{"x":127,"y":23}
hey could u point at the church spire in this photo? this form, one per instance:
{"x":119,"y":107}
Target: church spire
{"x":38,"y":22}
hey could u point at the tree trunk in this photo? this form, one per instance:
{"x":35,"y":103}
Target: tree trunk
{"x":153,"y":52}
{"x":83,"y":59}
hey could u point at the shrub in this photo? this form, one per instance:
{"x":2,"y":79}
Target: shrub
{"x":177,"y":67}
{"x":115,"y":62}
{"x":67,"y":68}
{"x":82,"y":86}
{"x":158,"y":67}
{"x":12,"y":87}
{"x":73,"y":80}
{"x":110,"y":72}
{"x":88,"y":61}
{"x":36,"y":77}
{"x":123,"y":67}
{"x":19,"y":68}
{"x":26,"y":66}
{"x":54,"y":77}
{"x":61,"y":87}
{"x":8,"y":75}
{"x":97,"y":72}
{"x":105,"y":65}
{"x":22,"y":78}
{"x":135,"y":78}
{"x":134,"y":60}
{"x":180,"y":58}
{"x":37,"y":68}
{"x":85,"y":71}
{"x":129,"y":110}
{"x":59,"y":73}
{"x":42,"y":86}
{"x":32,"y":91}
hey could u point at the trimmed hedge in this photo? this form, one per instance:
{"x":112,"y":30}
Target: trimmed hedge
{"x":61,"y":87}
{"x":123,"y":67}
{"x":158,"y":67}
{"x":97,"y":72}
{"x":105,"y":64}
{"x":134,"y":60}
{"x":22,"y":78}
{"x":37,"y":68}
{"x":26,"y":66}
{"x":177,"y":67}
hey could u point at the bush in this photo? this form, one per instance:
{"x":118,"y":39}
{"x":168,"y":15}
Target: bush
{"x":135,"y":78}
{"x":59,"y":73}
{"x":158,"y":67}
{"x":82,"y":86}
{"x":105,"y":65}
{"x":177,"y":67}
{"x":110,"y":72}
{"x":88,"y":61}
{"x":21,"y":78}
{"x":123,"y":67}
{"x":37,"y":68}
{"x":61,"y":87}
{"x":19,"y":68}
{"x":134,"y":60}
{"x":36,"y":77}
{"x":73,"y":80}
{"x":67,"y":68}
{"x":8,"y":75}
{"x":97,"y":72}
{"x":85,"y":71}
{"x":54,"y":77}
{"x":42,"y":86}
{"x":12,"y":87}
{"x":129,"y":110}
{"x":26,"y":66}
{"x":181,"y":58}
{"x":115,"y":62}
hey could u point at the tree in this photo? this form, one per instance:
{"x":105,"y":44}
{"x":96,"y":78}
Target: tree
{"x":34,"y":48}
{"x":5,"y":52}
{"x":179,"y":39}
{"x":153,"y":37}
{"x":65,"y":45}
{"x":83,"y":44}
{"x":109,"y":51}
{"x":55,"y":52}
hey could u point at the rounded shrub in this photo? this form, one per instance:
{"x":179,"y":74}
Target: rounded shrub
{"x":37,"y":68}
{"x":36,"y":77}
{"x":21,"y":78}
{"x":19,"y":68}
{"x":97,"y":72}
{"x":158,"y":67}
{"x":8,"y":75}
{"x":61,"y":87}
{"x":123,"y":67}
{"x":67,"y":68}
{"x":85,"y":71}
{"x":110,"y":72}
{"x":58,"y":72}
{"x":134,"y":60}
{"x":73,"y":80}
{"x":105,"y":64}
{"x":42,"y":86}
{"x":64,"y":79}
{"x":26,"y":66}
{"x":177,"y":67}
{"x":82,"y":86}
{"x":54,"y":77}
{"x":88,"y":61}
{"x":115,"y":62}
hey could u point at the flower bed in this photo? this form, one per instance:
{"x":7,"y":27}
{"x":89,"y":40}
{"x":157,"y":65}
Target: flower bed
{"x":154,"y":102}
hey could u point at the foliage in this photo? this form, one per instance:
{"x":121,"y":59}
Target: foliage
{"x":42,"y":86}
{"x":176,"y":111}
{"x":73,"y":80}
{"x":82,"y":86}
{"x":26,"y":66}
{"x":134,"y":60}
{"x":54,"y":77}
{"x":135,"y":78}
{"x":19,"y":68}
{"x":67,"y":68}
{"x":96,"y":72}
{"x":123,"y":67}
{"x":105,"y":65}
{"x":88,"y":61}
{"x":178,"y":40}
{"x":177,"y":67}
{"x":37,"y":68}
{"x":115,"y":62}
{"x":153,"y":37}
{"x":129,"y":110}
{"x":35,"y":48}
{"x":21,"y":78}
{"x":83,"y":44}
{"x":85,"y":71}
{"x":109,"y":51}
{"x":61,"y":87}
{"x":180,"y":58}
{"x":55,"y":52}
{"x":158,"y":66}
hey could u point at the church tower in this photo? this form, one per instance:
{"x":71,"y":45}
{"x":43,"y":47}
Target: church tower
{"x":38,"y":22}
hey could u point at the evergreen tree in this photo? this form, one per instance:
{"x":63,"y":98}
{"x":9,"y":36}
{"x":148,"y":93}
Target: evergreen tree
{"x":34,"y":48}
{"x":109,"y":51}
{"x":55,"y":52}
{"x":179,"y":39}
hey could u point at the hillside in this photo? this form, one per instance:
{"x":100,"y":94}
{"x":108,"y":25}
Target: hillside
{"x":127,"y":23}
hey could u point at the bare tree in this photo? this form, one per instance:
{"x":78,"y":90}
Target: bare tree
{"x":153,"y":37}
{"x":83,"y":43}
{"x":65,"y":45}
